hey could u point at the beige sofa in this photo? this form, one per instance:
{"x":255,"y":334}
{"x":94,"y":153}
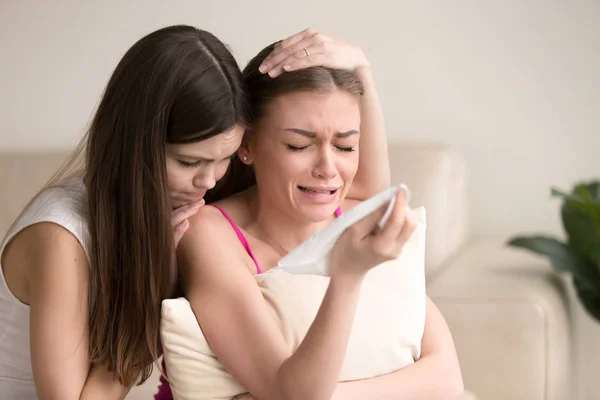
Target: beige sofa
{"x":509,"y":313}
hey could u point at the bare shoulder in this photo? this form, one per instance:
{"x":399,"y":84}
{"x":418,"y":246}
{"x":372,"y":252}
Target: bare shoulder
{"x":211,"y":246}
{"x":238,"y":207}
{"x":207,"y":217}
{"x":210,"y":225}
{"x":41,"y":242}
{"x":42,"y":253}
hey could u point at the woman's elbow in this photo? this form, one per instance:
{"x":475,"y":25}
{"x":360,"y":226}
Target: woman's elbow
{"x":453,"y":385}
{"x":456,"y":388}
{"x":289,"y":387}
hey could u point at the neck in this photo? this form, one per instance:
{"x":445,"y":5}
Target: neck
{"x":280,"y":229}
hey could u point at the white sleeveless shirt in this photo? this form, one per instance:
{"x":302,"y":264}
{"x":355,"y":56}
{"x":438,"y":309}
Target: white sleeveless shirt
{"x":66,"y":206}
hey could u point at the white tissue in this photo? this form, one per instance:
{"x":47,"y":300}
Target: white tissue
{"x":312,"y":256}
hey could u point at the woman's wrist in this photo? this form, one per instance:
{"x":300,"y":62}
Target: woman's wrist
{"x":363,"y":61}
{"x":363,"y":73}
{"x":347,"y":280}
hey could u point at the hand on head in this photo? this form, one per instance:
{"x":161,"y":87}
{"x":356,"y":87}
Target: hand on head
{"x":310,"y":48}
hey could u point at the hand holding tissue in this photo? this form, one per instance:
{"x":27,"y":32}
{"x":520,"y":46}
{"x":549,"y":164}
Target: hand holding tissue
{"x":312,"y":257}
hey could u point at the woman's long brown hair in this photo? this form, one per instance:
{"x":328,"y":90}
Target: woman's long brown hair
{"x":176,"y":85}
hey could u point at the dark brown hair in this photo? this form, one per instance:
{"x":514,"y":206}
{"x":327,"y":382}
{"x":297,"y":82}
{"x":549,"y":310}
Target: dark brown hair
{"x":262,"y":90}
{"x":176,"y":85}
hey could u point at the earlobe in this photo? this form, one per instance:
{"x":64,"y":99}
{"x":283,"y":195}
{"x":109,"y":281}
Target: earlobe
{"x":244,"y":150}
{"x":243,"y":155}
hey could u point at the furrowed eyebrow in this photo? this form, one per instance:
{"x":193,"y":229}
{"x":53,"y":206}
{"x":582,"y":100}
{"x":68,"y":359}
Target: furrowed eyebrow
{"x":313,"y":135}
{"x":347,"y":133}
{"x":206,"y":160}
{"x":302,"y":132}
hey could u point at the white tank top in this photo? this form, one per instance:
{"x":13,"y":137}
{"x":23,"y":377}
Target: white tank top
{"x":65,"y":206}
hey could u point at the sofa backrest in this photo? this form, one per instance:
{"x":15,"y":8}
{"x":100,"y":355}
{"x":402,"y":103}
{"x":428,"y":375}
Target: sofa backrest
{"x":435,"y":173}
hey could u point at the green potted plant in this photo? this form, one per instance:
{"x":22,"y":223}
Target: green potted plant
{"x":580,"y":254}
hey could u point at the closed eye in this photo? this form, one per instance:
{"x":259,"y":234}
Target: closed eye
{"x":189,"y":165}
{"x":296,"y":148}
{"x":345,"y":149}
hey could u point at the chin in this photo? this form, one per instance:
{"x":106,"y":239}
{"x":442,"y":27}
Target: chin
{"x":319,"y":213}
{"x":177,"y":202}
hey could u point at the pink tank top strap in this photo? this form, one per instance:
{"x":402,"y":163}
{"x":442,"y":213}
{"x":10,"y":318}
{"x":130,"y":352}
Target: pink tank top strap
{"x":241,"y":237}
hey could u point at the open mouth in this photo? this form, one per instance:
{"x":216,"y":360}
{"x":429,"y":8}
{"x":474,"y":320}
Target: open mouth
{"x":317,"y":191}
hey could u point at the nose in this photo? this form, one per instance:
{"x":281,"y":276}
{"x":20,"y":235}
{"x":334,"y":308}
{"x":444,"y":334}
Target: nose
{"x":205,"y":179}
{"x":325,"y":165}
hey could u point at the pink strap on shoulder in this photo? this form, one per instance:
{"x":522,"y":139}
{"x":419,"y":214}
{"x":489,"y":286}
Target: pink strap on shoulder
{"x":240,"y":236}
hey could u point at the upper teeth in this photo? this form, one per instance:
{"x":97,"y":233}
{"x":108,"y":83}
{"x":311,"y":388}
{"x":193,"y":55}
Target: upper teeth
{"x":317,"y":191}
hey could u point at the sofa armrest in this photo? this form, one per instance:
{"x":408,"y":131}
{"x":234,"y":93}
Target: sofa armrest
{"x":436,"y":176}
{"x":510,"y":319}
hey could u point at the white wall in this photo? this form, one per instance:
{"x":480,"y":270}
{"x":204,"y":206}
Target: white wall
{"x":515,"y":84}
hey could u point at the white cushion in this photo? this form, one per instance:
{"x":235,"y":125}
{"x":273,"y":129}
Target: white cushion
{"x":386,"y":333}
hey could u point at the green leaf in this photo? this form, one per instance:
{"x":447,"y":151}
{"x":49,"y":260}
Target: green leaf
{"x":589,"y":296}
{"x":583,"y":192}
{"x":581,"y":195}
{"x":593,"y":187}
{"x":559,"y":193}
{"x":582,"y":201}
{"x":561,"y":256}
{"x":580,"y":214}
{"x":583,"y":232}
